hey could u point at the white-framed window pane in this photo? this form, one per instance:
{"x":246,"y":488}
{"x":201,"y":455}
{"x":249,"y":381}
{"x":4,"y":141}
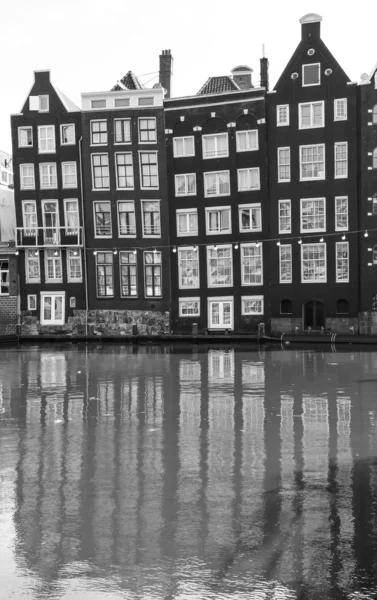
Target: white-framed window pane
{"x":128,"y":274}
{"x":341,"y":213}
{"x":311,"y":115}
{"x":218,"y":221}
{"x":183,"y":146}
{"x":216,"y":184}
{"x":69,"y":172}
{"x":282,"y":115}
{"x":32,"y":267}
{"x":285,"y":263}
{"x":313,"y":263}
{"x":100,"y":171}
{"x":284,"y":216}
{"x":29,"y":215}
{"x":52,"y":309}
{"x":284,"y":164}
{"x":151,"y":218}
{"x":126,"y":218}
{"x":105,"y":274}
{"x":27,"y":177}
{"x":74,"y":266}
{"x":152,"y":274}
{"x":102,"y":219}
{"x":32,"y":302}
{"x":220,"y":266}
{"x":188,"y":268}
{"x":340,"y":109}
{"x":252,"y":305}
{"x":215,"y":146}
{"x":46,"y":138}
{"x":98,"y":130}
{"x":147,"y":130}
{"x":313,"y":214}
{"x":341,"y":160}
{"x":149,"y":170}
{"x":53,"y":265}
{"x":342,"y":262}
{"x":122,"y":129}
{"x":185,"y":184}
{"x":252,"y":265}
{"x":189,"y":307}
{"x":248,"y":179}
{"x":312,"y":162}
{"x":67,"y":134}
{"x":311,"y":74}
{"x":25,"y":137}
{"x":124,"y":170}
{"x":247,"y":141}
{"x":250,"y":218}
{"x":71,"y":210}
{"x":4,"y":277}
{"x":187,"y":223}
{"x":48,"y":175}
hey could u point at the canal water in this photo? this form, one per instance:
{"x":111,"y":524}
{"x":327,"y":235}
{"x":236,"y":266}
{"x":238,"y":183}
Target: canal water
{"x":187,"y":473}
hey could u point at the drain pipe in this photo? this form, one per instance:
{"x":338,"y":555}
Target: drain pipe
{"x":83,"y":240}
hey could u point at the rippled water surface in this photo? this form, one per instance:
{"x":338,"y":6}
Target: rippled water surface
{"x":187,"y":472}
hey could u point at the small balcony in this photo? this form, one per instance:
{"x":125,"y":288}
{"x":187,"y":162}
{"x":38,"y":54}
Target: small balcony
{"x":49,"y":237}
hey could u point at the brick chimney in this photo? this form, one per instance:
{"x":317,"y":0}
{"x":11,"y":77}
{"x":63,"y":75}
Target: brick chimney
{"x":42,"y":76}
{"x":310,"y":27}
{"x":166,"y":71}
{"x":264,"y":80}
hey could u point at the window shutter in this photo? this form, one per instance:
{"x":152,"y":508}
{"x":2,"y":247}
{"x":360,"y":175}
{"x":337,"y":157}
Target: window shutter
{"x":33,"y":102}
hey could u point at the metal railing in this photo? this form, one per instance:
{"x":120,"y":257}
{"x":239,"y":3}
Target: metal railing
{"x":32,"y":237}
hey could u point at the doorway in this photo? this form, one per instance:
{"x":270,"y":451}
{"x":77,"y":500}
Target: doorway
{"x":313,"y":314}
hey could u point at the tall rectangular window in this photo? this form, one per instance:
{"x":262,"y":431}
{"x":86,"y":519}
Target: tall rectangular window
{"x":148,"y":170}
{"x":4,"y":278}
{"x":284,"y":164}
{"x":52,"y":308}
{"x":188,"y":268}
{"x":46,"y":139}
{"x":312,"y":162}
{"x":126,"y":218}
{"x":151,"y":218}
{"x":102,"y":219}
{"x":340,"y":109}
{"x":43,"y":103}
{"x":246,"y":141}
{"x":187,"y":222}
{"x":341,"y":213}
{"x":311,"y":115}
{"x":105,"y":274}
{"x":220,"y":266}
{"x":248,"y":179}
{"x":250,"y":217}
{"x":341,"y":160}
{"x":147,"y":130}
{"x":69,"y":174}
{"x":285,"y":216}
{"x":53,"y":266}
{"x":128,"y":274}
{"x":71,"y":216}
{"x":215,"y":146}
{"x":25,"y":137}
{"x":48,"y":176}
{"x":185,"y":184}
{"x":29,"y":217}
{"x":32,"y":268}
{"x":313,"y":214}
{"x":285,"y":263}
{"x":183,"y":146}
{"x":152,"y":275}
{"x":98,"y":133}
{"x":27,"y":181}
{"x":311,"y":74}
{"x":216,"y":184}
{"x":251,"y":264}
{"x":74,"y":268}
{"x":282,"y":115}
{"x":218,"y":220}
{"x":122,"y":129}
{"x":124,"y":170}
{"x":100,"y":171}
{"x":313,"y":263}
{"x":67,"y":134}
{"x":342,"y":262}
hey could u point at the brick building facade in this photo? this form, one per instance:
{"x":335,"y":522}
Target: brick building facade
{"x":9,"y":298}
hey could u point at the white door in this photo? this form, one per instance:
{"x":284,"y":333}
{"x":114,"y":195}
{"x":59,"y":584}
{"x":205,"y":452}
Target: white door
{"x":51,"y":222}
{"x":52,"y":309}
{"x":220,"y":314}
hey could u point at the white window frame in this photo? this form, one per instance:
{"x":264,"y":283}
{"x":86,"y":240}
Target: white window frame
{"x":187,"y":212}
{"x":116,"y":154}
{"x":53,"y":321}
{"x":340,"y":161}
{"x":129,"y":267}
{"x":64,"y":175}
{"x":284,"y":179}
{"x":248,"y":137}
{"x":184,"y":138}
{"x":218,"y":209}
{"x":347,"y":259}
{"x":303,"y":247}
{"x":314,"y":229}
{"x":96,"y":189}
{"x":216,"y":154}
{"x":337,"y":213}
{"x":182,"y":301}
{"x":251,"y":207}
{"x":322,"y":177}
{"x":54,"y":229}
{"x":68,"y":229}
{"x":257,"y":298}
{"x":337,"y":103}
{"x":22,"y":185}
{"x":51,"y":167}
{"x":279,"y":121}
{"x":62,"y":142}
{"x":150,"y":235}
{"x":56,"y":259}
{"x":221,"y":300}
{"x":143,"y":101}
{"x":260,"y":250}
{"x":105,"y":264}
{"x":122,"y":120}
{"x":42,"y":98}
{"x":25,"y":128}
{"x":141,"y":171}
{"x":95,"y":145}
{"x":196,"y":255}
{"x":94,"y":220}
{"x":53,"y":137}
{"x":303,"y":74}
{"x":32,"y":230}
{"x":186,"y":192}
{"x":153,"y":264}
{"x":281,"y":216}
{"x":155,"y":129}
{"x":249,"y":170}
{"x":5,"y":283}
{"x":32,"y":302}
{"x":125,"y":235}
{"x":311,"y":105}
{"x":219,"y":247}
{"x":218,"y":173}
{"x":35,"y":257}
{"x":285,"y":279}
{"x":75,"y":257}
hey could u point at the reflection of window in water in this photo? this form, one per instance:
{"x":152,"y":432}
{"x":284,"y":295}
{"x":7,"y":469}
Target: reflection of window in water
{"x":221,"y":365}
{"x":315,"y":414}
{"x":105,"y":393}
{"x":130,"y":396}
{"x":344,"y":416}
{"x":189,"y":370}
{"x":2,"y":409}
{"x":252,"y":374}
{"x":154,"y":400}
{"x":53,"y":370}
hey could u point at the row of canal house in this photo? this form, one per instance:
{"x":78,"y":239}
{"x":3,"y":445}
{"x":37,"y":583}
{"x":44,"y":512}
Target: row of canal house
{"x":219,"y":211}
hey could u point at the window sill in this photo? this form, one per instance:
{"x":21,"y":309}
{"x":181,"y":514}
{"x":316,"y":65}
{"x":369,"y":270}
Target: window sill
{"x":125,"y":189}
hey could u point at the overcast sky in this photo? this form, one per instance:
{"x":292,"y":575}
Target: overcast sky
{"x":89,"y":44}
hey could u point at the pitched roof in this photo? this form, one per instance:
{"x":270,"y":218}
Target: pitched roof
{"x":217,"y":85}
{"x":130,"y":81}
{"x":67,"y":102}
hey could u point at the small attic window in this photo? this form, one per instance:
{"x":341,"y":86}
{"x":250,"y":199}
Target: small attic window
{"x":43,"y":104}
{"x":294,"y":75}
{"x":146,"y":101}
{"x":118,"y":102}
{"x":311,"y":74}
{"x":311,"y":51}
{"x":98,"y":103}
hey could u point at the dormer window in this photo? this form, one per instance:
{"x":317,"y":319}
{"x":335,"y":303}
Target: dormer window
{"x":98,"y":103}
{"x":43,"y":104}
{"x":311,"y":74}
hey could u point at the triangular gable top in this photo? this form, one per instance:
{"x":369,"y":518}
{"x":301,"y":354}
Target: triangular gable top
{"x":69,"y":105}
{"x":129,"y":81}
{"x":218,"y":85}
